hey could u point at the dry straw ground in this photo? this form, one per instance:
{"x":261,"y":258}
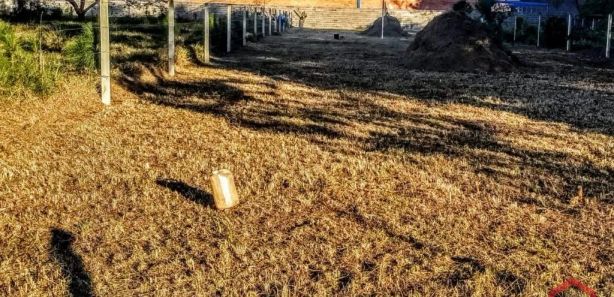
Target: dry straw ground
{"x":357,"y":176}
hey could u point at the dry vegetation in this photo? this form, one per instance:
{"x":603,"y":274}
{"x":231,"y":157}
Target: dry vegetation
{"x":357,"y":176}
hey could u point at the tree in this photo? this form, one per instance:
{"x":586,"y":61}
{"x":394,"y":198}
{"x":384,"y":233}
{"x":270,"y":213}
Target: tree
{"x":80,"y":7}
{"x":494,"y":14}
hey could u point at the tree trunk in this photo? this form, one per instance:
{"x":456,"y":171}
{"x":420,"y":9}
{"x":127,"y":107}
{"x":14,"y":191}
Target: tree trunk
{"x":80,"y":8}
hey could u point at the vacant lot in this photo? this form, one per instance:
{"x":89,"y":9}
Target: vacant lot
{"x":357,"y":177}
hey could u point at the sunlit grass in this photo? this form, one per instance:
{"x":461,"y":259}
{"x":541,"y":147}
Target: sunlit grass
{"x":357,"y":177}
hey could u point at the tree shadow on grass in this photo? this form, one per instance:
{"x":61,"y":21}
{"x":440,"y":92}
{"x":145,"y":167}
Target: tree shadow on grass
{"x":212,"y":96}
{"x":538,"y":173}
{"x":462,"y":271}
{"x":191,"y":193}
{"x":552,"y":174}
{"x":355,"y":65}
{"x":80,"y":283}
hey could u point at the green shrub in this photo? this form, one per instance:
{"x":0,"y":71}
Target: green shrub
{"x":9,"y":43}
{"x":80,"y":51}
{"x":52,"y":41}
{"x":23,"y":71}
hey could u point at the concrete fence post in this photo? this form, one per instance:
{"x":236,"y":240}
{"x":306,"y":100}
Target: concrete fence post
{"x":270,"y":20}
{"x":515,"y":27}
{"x":206,"y":35}
{"x":255,"y":25}
{"x":383,"y":20}
{"x":539,"y":28}
{"x":275,"y":28}
{"x":244,"y":30}
{"x":228,"y":28}
{"x":569,"y":32}
{"x":608,"y":37}
{"x":171,"y":37}
{"x":263,"y":23}
{"x":105,"y":59}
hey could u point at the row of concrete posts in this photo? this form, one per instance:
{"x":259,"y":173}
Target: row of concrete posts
{"x":277,"y":21}
{"x":569,"y":27}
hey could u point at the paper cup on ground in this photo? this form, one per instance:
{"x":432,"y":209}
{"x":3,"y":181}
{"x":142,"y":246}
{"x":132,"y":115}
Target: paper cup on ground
{"x":224,"y":190}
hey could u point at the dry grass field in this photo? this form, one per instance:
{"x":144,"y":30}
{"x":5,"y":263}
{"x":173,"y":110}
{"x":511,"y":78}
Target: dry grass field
{"x":357,"y":177}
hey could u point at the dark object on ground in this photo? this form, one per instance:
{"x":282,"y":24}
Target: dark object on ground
{"x":392,"y":28}
{"x":336,"y":36}
{"x":455,"y":42}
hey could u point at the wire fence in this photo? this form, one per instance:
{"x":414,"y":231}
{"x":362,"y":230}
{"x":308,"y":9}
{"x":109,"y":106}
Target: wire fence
{"x":198,"y":31}
{"x":113,"y":43}
{"x":568,"y":32}
{"x":164,"y":39}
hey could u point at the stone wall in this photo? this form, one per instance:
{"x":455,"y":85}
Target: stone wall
{"x":341,"y":18}
{"x":366,"y":4}
{"x":360,"y":19}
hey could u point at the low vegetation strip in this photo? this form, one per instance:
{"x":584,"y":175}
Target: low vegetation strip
{"x":357,"y":177}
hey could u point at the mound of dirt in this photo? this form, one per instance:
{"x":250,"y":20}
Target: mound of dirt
{"x":392,"y":27}
{"x":455,"y":42}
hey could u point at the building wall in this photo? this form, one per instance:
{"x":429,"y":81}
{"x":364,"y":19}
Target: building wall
{"x":360,"y":19}
{"x":367,"y":4}
{"x":339,"y":18}
{"x":322,"y":14}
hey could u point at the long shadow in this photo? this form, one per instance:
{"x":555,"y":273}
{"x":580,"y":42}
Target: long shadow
{"x":191,"y":193}
{"x":354,"y":214}
{"x":80,"y":283}
{"x":497,"y":157}
{"x":464,"y":268}
{"x":543,"y":172}
{"x":347,"y":65}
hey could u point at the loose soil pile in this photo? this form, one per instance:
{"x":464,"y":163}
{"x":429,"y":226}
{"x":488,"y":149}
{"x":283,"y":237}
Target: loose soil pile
{"x":455,"y":42}
{"x":392,"y":27}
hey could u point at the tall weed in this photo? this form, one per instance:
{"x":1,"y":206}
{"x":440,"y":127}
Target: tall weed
{"x":80,"y":51}
{"x":22,"y":71}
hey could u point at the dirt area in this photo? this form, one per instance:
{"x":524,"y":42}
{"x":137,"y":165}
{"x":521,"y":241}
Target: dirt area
{"x":357,"y":177}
